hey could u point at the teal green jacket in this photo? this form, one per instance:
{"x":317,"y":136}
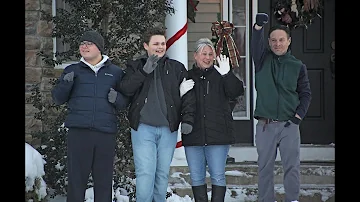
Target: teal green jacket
{"x":281,"y":82}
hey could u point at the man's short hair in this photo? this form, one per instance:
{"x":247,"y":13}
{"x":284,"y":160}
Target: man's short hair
{"x":158,"y":30}
{"x":279,"y":27}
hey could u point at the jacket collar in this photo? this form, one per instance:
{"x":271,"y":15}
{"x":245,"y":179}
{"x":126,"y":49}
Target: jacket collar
{"x":281,"y":57}
{"x":104,"y":62}
{"x":202,"y":72}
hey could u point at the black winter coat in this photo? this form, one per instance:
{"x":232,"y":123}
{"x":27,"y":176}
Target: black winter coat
{"x":213,"y":125}
{"x":136,"y":83}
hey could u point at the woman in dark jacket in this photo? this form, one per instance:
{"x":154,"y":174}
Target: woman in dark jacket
{"x":209,"y":142}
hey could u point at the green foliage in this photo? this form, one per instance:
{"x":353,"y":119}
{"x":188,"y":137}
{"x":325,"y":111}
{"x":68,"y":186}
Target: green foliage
{"x":124,"y":171}
{"x":53,"y":140}
{"x":120,"y":22}
{"x":191,"y":9}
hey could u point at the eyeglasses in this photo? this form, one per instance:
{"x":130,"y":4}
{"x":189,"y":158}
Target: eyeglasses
{"x":87,"y":43}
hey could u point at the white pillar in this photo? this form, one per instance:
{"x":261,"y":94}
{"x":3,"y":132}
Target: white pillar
{"x":176,"y":32}
{"x":176,"y":36}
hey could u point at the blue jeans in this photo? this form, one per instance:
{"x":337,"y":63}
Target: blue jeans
{"x":153,"y":149}
{"x":214,"y":156}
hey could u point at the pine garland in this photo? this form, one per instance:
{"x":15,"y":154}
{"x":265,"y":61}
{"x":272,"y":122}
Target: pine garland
{"x":191,"y":9}
{"x":297,"y":13}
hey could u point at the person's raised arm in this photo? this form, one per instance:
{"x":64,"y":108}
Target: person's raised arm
{"x":257,"y":40}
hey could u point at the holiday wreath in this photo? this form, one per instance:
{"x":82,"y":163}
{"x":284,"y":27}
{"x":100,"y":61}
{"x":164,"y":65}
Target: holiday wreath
{"x":297,"y":13}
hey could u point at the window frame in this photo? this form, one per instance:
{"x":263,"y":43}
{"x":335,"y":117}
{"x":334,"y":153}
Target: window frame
{"x":54,"y":5}
{"x":227,"y":16}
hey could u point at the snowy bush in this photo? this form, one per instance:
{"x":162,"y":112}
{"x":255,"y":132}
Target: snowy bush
{"x":35,"y":186}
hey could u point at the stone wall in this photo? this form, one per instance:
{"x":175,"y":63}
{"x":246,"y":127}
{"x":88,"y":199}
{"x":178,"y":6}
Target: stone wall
{"x":37,"y":38}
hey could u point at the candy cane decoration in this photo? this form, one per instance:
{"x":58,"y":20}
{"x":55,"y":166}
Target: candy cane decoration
{"x":176,"y":33}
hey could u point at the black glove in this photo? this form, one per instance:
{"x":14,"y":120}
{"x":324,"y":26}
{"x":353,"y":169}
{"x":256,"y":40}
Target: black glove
{"x":151,"y":63}
{"x":69,"y":77}
{"x":294,"y":120}
{"x":186,"y":128}
{"x":262,"y":19}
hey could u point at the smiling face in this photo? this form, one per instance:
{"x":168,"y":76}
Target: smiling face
{"x":90,"y":52}
{"x":157,"y":45}
{"x":279,"y":42}
{"x":204,"y":57}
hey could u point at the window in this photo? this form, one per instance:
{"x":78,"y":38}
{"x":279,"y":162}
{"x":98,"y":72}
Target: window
{"x":236,"y":11}
{"x":58,"y":46}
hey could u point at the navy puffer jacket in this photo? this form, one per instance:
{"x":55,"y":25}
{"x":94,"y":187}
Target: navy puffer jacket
{"x":87,"y":96}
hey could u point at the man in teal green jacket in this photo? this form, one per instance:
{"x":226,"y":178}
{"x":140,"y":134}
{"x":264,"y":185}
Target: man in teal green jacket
{"x":283,"y":98}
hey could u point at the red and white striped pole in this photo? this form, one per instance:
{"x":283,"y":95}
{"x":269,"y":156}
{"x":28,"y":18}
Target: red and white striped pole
{"x":176,"y":34}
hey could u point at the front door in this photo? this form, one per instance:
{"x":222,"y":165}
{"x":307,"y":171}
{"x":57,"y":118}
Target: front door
{"x":315,"y":46}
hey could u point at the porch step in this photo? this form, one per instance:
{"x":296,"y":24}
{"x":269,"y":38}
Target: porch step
{"x":246,"y":174}
{"x":236,"y":193}
{"x":317,"y":181}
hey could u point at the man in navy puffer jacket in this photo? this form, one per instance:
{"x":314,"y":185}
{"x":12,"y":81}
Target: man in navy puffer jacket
{"x":90,"y":89}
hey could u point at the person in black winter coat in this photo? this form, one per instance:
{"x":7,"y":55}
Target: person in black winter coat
{"x":210,"y":140}
{"x":152,"y":81}
{"x":91,"y":90}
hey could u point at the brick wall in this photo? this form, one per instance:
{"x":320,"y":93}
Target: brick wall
{"x":37,"y":38}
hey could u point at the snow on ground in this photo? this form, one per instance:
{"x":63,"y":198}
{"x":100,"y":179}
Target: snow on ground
{"x":34,"y":168}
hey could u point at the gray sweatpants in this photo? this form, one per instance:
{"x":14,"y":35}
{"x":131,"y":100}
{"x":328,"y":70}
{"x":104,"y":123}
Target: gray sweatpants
{"x":268,"y":137}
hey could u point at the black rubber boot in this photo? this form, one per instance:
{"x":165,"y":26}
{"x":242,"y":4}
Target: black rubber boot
{"x":200,"y":193}
{"x":218,"y":193}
